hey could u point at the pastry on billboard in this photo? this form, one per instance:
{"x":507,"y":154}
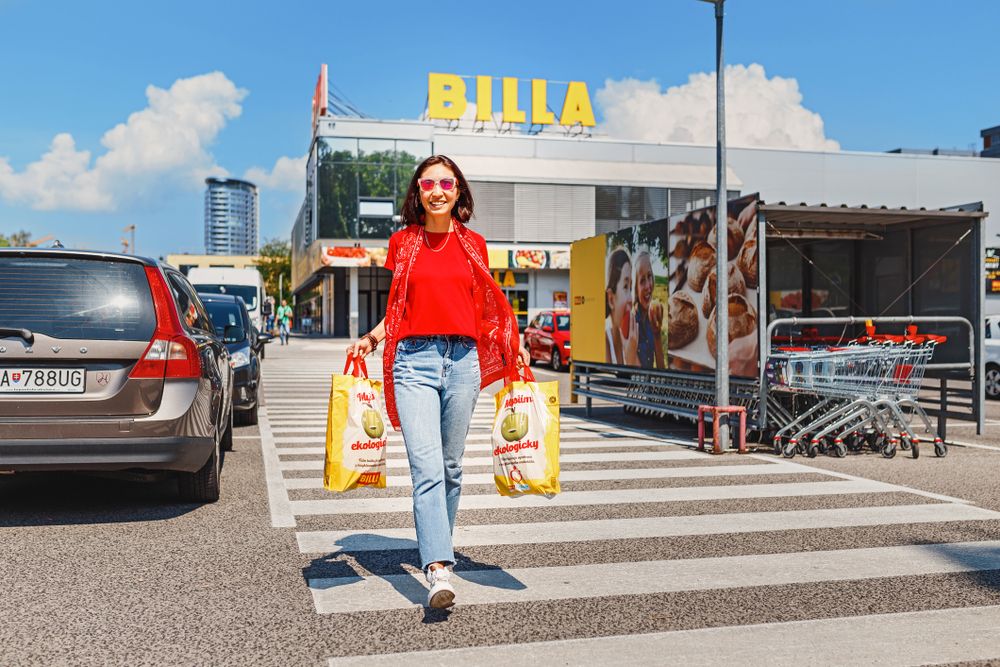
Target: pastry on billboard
{"x":742,"y":321}
{"x":700,"y":262}
{"x":747,"y":261}
{"x":734,"y":238}
{"x":682,"y":320}
{"x":530,"y":259}
{"x":736,"y":286}
{"x":705,"y":224}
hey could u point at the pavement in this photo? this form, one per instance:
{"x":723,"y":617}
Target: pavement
{"x":653,"y":554}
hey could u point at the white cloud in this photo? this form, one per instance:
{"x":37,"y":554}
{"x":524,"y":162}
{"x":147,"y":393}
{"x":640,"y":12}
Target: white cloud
{"x":167,"y":140}
{"x":760,"y":111}
{"x":288,"y":173}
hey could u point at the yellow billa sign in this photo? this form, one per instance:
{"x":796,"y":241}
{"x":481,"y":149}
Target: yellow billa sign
{"x":446,"y":100}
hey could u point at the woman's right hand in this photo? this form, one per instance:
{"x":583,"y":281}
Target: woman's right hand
{"x":361,"y":348}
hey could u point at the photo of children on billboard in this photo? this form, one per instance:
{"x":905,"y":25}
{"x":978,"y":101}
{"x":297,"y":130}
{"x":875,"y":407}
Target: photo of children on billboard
{"x":635,"y":327}
{"x":693,"y":305}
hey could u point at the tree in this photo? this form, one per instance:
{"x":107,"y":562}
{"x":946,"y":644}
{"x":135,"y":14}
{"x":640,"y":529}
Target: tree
{"x":276,"y":260}
{"x":16,"y":240}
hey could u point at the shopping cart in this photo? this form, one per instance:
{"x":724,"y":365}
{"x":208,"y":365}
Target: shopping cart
{"x":864,"y":393}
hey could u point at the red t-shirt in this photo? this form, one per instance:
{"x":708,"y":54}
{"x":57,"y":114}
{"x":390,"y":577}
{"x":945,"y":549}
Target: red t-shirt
{"x":439,"y":296}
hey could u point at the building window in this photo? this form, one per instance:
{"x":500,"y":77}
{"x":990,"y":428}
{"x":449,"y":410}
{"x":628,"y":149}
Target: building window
{"x":352,"y":174}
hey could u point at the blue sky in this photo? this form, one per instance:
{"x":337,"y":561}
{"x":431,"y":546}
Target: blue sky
{"x":880,"y":74}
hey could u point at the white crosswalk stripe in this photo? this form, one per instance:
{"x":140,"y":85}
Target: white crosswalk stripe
{"x":636,"y":486}
{"x":402,"y":481}
{"x":469,"y":461}
{"x":620,"y":529}
{"x":910,"y":638}
{"x":333,"y":596}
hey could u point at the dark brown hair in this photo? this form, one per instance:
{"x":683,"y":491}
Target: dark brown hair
{"x":413,"y":208}
{"x":616,"y":262}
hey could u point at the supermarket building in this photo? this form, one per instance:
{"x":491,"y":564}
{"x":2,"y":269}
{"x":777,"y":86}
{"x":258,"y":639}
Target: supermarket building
{"x":536,"y":193}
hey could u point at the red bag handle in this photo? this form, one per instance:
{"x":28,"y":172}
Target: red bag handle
{"x":523,"y":373}
{"x":359,"y":365}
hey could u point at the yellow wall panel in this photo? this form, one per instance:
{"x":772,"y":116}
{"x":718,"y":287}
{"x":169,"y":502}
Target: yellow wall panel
{"x":586,"y":285}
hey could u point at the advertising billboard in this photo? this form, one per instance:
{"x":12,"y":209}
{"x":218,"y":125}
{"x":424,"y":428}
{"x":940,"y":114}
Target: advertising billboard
{"x":655,"y":304}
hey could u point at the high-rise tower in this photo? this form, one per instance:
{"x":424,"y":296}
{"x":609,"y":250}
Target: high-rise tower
{"x":231,"y":217}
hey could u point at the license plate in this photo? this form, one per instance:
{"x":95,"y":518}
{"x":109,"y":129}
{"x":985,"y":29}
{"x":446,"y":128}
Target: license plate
{"x":42,"y":380}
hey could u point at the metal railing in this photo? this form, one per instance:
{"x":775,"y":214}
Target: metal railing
{"x":958,"y":394}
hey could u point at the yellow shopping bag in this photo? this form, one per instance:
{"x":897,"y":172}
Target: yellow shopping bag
{"x":526,"y":438}
{"x":355,"y":431}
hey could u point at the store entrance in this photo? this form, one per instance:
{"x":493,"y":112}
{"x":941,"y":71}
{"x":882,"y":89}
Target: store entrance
{"x":518,"y":300}
{"x":371,"y":308}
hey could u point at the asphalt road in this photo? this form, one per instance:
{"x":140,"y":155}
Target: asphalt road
{"x":653,"y":554}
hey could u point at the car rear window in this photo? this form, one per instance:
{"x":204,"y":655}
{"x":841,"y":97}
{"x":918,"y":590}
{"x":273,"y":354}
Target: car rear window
{"x":246,"y":292}
{"x":76,"y":298}
{"x":562,"y":322}
{"x":223,"y":315}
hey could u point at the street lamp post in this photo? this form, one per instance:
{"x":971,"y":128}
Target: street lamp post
{"x":721,"y":234}
{"x":131,"y":228}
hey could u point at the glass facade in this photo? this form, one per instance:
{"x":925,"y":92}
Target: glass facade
{"x":352,"y":172}
{"x":621,"y":206}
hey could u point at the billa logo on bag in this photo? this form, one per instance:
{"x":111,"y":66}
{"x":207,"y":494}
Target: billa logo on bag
{"x":369,"y":478}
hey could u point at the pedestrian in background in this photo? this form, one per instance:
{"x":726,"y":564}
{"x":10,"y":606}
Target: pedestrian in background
{"x":284,"y":321}
{"x":449,"y":331}
{"x":267,"y":312}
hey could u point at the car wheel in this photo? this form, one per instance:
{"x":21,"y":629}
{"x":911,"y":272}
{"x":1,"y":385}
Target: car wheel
{"x":249,"y":417}
{"x":556,"y":360}
{"x":226,"y":444}
{"x":992,"y":382}
{"x":202,"y":486}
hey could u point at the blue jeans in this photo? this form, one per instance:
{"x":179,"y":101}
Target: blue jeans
{"x":283,"y":333}
{"x":437,"y":384}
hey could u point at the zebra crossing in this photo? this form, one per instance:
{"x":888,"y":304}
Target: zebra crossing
{"x":644,"y":523}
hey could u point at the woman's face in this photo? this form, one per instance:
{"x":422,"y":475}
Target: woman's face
{"x":438,"y":201}
{"x":620,"y":299}
{"x":644,"y":281}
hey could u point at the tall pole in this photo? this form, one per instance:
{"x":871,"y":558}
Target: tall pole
{"x":131,"y":244}
{"x":721,"y":234}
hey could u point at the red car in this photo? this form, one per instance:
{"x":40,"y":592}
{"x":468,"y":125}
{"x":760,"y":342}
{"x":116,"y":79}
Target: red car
{"x":547,"y":338}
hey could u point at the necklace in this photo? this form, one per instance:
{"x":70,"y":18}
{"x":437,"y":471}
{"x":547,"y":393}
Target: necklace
{"x":440,"y":247}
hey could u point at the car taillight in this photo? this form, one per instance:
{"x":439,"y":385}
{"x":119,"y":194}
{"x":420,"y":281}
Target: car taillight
{"x":183,"y":360}
{"x":171,"y":353}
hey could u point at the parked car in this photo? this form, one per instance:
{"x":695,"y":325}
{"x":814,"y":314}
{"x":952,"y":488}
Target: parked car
{"x":245,"y":283}
{"x":232,"y":324}
{"x":547,"y":338}
{"x":110,"y":362}
{"x":991,"y":376}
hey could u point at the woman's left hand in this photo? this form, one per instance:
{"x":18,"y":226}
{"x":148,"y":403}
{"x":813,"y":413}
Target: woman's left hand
{"x":523,"y":358}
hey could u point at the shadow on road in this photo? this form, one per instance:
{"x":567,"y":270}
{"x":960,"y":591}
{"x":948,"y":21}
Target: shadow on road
{"x":389,"y":561}
{"x":67,"y":498}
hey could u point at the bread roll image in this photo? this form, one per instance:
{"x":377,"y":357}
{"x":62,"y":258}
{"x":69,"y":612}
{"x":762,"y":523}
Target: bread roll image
{"x":682,"y":320}
{"x":736,"y":286}
{"x":742,"y":321}
{"x":734,"y":238}
{"x":700,"y":262}
{"x":747,"y":261}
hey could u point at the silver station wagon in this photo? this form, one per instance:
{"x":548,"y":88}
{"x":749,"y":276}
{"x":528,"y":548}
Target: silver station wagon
{"x":110,"y":362}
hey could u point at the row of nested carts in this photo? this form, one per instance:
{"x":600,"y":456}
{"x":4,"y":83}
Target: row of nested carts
{"x":835,"y":397}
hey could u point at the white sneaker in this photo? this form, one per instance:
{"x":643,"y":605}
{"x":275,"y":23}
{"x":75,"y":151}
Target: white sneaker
{"x":442,"y":594}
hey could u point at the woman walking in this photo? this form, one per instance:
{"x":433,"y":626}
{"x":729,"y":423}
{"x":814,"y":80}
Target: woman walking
{"x":448,"y":332}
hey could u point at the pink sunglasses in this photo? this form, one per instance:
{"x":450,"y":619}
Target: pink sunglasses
{"x":427,"y":184}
